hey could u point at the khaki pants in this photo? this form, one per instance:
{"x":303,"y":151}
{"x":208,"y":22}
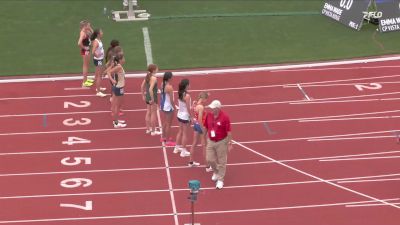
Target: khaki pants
{"x":217,"y":156}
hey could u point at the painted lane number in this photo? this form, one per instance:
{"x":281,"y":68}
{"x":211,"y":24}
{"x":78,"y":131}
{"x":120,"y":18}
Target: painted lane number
{"x":81,"y":104}
{"x":70,"y":122}
{"x":67,"y":161}
{"x":76,"y":140}
{"x":370,"y":86}
{"x":88,"y":206}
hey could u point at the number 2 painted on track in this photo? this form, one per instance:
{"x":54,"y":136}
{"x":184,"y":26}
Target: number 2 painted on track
{"x":83,"y":104}
{"x":371,"y":86}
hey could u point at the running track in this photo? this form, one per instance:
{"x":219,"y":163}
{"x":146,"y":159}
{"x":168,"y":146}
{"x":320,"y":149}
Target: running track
{"x":313,"y":145}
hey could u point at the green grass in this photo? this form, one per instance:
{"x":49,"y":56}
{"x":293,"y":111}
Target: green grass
{"x":39,"y":37}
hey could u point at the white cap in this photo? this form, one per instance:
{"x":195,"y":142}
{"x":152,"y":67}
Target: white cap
{"x":215,"y":104}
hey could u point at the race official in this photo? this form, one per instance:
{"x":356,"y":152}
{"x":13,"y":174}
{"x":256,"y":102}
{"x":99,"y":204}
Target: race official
{"x":219,"y":141}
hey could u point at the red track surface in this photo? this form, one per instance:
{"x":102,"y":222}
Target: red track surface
{"x":332,"y":159}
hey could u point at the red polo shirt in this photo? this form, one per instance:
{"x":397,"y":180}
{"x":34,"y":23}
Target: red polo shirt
{"x":220,"y":125}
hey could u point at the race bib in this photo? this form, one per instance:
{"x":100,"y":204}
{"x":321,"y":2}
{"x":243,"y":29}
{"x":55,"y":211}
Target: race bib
{"x":212,"y":133}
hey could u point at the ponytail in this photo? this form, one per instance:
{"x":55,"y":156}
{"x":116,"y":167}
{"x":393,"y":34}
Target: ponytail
{"x":151,"y":68}
{"x":114,"y":43}
{"x":166,"y":78}
{"x":95,"y":34}
{"x":182,"y":89}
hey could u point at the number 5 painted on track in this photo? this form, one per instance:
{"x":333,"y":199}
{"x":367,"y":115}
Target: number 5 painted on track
{"x":371,"y":86}
{"x":88,"y":206}
{"x":67,"y":161}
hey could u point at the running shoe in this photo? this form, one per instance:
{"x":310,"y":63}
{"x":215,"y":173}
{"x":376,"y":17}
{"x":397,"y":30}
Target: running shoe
{"x":214,"y":177}
{"x":87,"y":84}
{"x":156,"y":132}
{"x":220,"y":185}
{"x":209,"y":169}
{"x":184,"y":153}
{"x":100,"y":94}
{"x":193,"y":164}
{"x":177,"y":149}
{"x":119,"y":125}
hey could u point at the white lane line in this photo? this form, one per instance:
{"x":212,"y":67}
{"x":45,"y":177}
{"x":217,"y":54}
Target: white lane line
{"x":314,"y":101}
{"x":303,"y":92}
{"x":167,"y":170}
{"x":359,"y":159}
{"x":81,"y":150}
{"x":147,"y":45}
{"x":68,"y":113}
{"x":328,"y":158}
{"x":366,"y":177}
{"x":198,"y":213}
{"x":345,"y":80}
{"x":138,"y":93}
{"x":211,"y":89}
{"x":234,"y":105}
{"x":354,"y":97}
{"x":86,"y":218}
{"x":334,"y":85}
{"x":336,"y":68}
{"x":390,"y":99}
{"x":203,"y":188}
{"x":284,"y":208}
{"x":84,"y":194}
{"x":366,"y":181}
{"x":350,"y":118}
{"x":349,"y":138}
{"x":369,"y":205}
{"x":333,"y":101}
{"x":72,"y":131}
{"x":155,"y":191}
{"x":82,"y":171}
{"x":225,"y":71}
{"x":317,"y":178}
{"x":315,"y":138}
{"x":76,"y":88}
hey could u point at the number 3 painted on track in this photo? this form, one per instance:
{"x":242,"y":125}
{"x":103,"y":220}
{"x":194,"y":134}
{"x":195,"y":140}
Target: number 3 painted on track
{"x":371,"y":86}
{"x":71,"y":122}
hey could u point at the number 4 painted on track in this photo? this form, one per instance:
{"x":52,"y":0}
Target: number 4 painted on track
{"x":371,"y":86}
{"x":76,"y":140}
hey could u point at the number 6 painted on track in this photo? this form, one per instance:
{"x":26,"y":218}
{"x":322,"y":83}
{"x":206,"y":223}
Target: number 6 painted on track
{"x":76,"y":182}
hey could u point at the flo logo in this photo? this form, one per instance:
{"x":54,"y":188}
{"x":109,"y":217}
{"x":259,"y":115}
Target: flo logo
{"x":372,"y":15}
